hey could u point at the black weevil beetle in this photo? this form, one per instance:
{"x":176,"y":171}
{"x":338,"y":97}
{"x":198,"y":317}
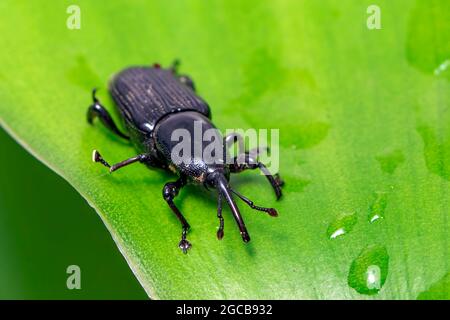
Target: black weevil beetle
{"x":153,"y":102}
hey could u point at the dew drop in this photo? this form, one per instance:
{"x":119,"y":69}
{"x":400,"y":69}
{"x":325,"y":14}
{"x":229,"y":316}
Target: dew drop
{"x":442,"y":67}
{"x":342,"y":225}
{"x":368,"y":272}
{"x":378,"y":206}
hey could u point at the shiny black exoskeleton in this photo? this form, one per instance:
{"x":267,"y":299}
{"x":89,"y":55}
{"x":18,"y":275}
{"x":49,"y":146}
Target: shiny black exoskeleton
{"x":155,"y":101}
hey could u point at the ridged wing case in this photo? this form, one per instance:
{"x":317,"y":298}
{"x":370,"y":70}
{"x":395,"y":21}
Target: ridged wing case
{"x":144,"y":95}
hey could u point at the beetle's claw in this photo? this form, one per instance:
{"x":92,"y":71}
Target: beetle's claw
{"x":272,"y":212}
{"x":96,"y":157}
{"x":245,"y":236}
{"x":184,"y":245}
{"x":220,"y":234}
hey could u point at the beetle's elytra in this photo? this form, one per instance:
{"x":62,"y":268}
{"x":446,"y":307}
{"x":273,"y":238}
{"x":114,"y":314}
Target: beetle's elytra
{"x":155,"y":101}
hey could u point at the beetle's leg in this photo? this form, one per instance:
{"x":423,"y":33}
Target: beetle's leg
{"x":187,"y":81}
{"x":249,"y":161}
{"x":96,"y":157}
{"x":278,"y":179}
{"x":97,"y":110}
{"x":170,"y":191}
{"x":219,"y":215}
{"x":271,"y":211}
{"x":231,"y":139}
{"x":174,"y":66}
{"x":183,"y":78}
{"x":274,"y":180}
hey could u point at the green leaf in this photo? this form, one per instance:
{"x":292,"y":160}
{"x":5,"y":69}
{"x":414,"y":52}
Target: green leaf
{"x":361,"y":113}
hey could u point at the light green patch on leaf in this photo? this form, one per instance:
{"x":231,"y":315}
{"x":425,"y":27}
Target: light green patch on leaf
{"x":428,"y":49}
{"x":438,"y":291}
{"x":436,"y":152}
{"x":390,"y":160}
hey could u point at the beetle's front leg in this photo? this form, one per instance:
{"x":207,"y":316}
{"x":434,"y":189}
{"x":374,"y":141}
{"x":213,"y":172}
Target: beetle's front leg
{"x":248,"y":160}
{"x":170,"y":191}
{"x":219,"y":215}
{"x":231,"y":139}
{"x":96,"y":157}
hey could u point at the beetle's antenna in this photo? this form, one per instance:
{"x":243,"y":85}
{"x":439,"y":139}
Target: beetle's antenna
{"x":271,"y":211}
{"x":225,"y":191}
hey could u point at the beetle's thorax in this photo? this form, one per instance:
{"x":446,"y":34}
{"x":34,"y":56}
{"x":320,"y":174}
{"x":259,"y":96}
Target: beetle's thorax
{"x":189,"y":142}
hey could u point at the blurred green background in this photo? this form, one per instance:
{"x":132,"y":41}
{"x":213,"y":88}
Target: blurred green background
{"x":45,"y":226}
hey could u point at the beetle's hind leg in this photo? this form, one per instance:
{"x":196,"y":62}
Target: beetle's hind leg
{"x":96,"y":110}
{"x":170,"y":191}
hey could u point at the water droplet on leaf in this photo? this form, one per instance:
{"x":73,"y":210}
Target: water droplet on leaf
{"x":378,"y":206}
{"x":442,"y":67}
{"x":368,"y":272}
{"x":342,"y":225}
